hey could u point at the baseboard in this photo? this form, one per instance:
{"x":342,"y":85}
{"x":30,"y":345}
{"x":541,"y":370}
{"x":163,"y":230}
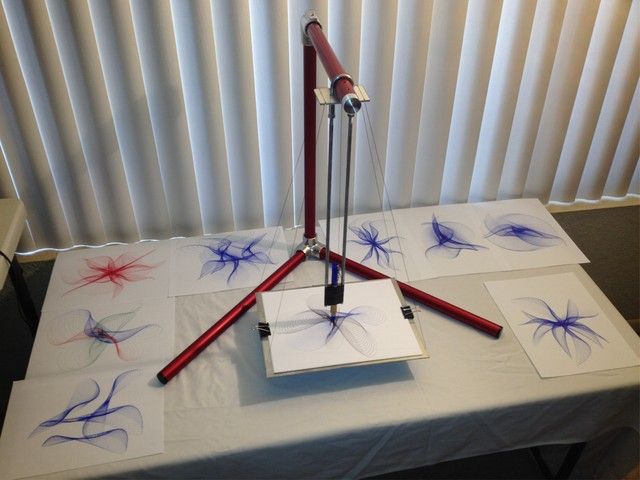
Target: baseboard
{"x":605,"y":202}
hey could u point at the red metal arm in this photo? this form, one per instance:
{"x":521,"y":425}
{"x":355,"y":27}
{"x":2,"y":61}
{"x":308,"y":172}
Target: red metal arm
{"x":192,"y":351}
{"x":309,"y":67}
{"x":340,"y":80}
{"x":447,"y":308}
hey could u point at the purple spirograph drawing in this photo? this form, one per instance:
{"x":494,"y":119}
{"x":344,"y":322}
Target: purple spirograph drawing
{"x":378,"y":246}
{"x":320,"y":327}
{"x":83,"y":339}
{"x":448,"y":239}
{"x":219,"y":254}
{"x":519,"y":232}
{"x":105,"y":426}
{"x":563,"y":328}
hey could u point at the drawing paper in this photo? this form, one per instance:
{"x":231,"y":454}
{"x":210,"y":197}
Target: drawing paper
{"x":372,"y":239}
{"x":113,"y":274}
{"x":226,"y":261}
{"x":369,"y":326}
{"x":103,"y":337}
{"x":525,"y":235}
{"x":64,"y":422}
{"x":560,"y":326}
{"x":446,"y":241}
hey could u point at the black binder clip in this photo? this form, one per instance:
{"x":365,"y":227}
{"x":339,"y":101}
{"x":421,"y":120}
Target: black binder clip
{"x":407,"y":312}
{"x":263,"y":329}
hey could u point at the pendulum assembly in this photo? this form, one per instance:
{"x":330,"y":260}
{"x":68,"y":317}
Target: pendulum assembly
{"x":342,"y":92}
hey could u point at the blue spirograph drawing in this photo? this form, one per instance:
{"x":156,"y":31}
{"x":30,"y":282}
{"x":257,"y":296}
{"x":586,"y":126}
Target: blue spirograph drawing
{"x":106,"y":426}
{"x":563,"y":328}
{"x":320,"y":327}
{"x":378,"y":246}
{"x":83,"y":339}
{"x":448,"y":239}
{"x":226,"y":254}
{"x":519,"y":232}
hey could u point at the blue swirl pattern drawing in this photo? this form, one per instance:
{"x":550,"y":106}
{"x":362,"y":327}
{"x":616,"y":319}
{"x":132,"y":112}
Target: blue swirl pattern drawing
{"x":106,"y":426}
{"x":519,"y":232}
{"x":448,"y":239}
{"x":563,"y":328}
{"x":320,"y":327}
{"x":377,"y":245}
{"x":221,"y":254}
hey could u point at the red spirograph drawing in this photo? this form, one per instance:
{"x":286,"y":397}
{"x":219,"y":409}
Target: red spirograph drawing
{"x":114,"y":273}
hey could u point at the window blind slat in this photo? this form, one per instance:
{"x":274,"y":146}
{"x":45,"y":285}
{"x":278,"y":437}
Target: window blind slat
{"x":614,"y":109}
{"x":559,"y":101}
{"x":409,"y":66}
{"x":232,"y":36}
{"x":605,"y":39}
{"x":626,"y":157}
{"x":377,"y":35}
{"x":158,"y":64}
{"x":545,"y":33}
{"x":514,"y":32}
{"x":443,"y":61}
{"x":270,"y":39}
{"x":125,"y":91}
{"x":476,"y":57}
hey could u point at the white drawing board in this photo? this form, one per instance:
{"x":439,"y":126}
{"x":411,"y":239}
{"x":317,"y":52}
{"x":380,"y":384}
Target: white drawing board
{"x":226,"y":261}
{"x":560,"y":326}
{"x":113,"y":274}
{"x":369,"y":326}
{"x":103,"y":337}
{"x":64,"y":422}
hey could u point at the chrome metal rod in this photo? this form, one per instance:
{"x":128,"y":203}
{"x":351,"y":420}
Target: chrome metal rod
{"x":346,"y":202}
{"x":327,"y":263}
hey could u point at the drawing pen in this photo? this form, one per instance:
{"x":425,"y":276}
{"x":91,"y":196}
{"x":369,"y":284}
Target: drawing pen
{"x":334,"y":283}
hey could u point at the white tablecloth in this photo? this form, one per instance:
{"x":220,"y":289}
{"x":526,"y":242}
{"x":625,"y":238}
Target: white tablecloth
{"x":473,"y":396}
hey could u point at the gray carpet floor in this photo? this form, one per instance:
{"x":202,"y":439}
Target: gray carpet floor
{"x":610,"y":238}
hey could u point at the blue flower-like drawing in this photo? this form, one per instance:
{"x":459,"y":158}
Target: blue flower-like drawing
{"x":520,"y":232}
{"x":83,"y":339}
{"x":448,"y":239}
{"x":369,"y":236}
{"x":563,"y":328}
{"x":218,"y":254}
{"x":106,"y":427}
{"x":320,"y":327}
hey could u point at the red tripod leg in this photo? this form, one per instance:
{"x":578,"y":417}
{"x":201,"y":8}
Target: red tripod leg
{"x":447,"y":308}
{"x":192,"y":351}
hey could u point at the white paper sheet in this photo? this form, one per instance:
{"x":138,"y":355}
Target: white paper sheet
{"x":66,"y":422}
{"x":372,"y":240}
{"x":445,"y":241}
{"x":103,"y":337}
{"x":525,"y":235}
{"x":226,"y":261}
{"x":113,"y":274}
{"x":370,"y":327}
{"x":560,"y":326}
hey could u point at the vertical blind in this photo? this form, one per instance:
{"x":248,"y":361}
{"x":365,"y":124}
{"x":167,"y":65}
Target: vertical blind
{"x":122,"y":120}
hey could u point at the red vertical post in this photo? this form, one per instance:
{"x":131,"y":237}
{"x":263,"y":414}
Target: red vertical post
{"x":309,"y":65}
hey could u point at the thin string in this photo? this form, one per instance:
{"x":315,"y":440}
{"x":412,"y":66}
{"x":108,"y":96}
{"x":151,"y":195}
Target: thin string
{"x":300,"y":210}
{"x":386,"y":191}
{"x":286,"y":198}
{"x":377,"y":162}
